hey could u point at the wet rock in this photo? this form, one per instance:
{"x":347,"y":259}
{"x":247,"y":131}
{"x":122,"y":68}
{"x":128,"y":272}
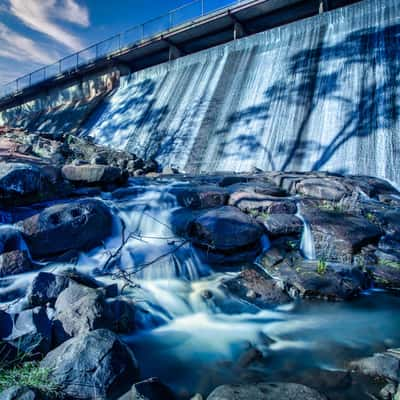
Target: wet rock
{"x":181,"y":218}
{"x":79,"y":309}
{"x":45,"y":288}
{"x":228,"y":180}
{"x":93,"y":365}
{"x":329,"y":188}
{"x":29,"y":331}
{"x":255,"y":288}
{"x":200,"y":197}
{"x":253,"y":202}
{"x":321,"y":379}
{"x":122,"y":314}
{"x":260,"y":187}
{"x":92,"y":174}
{"x":76,"y":225}
{"x":385,"y":275}
{"x":373,"y":187}
{"x":316,"y":279}
{"x":338,"y":236}
{"x":224,"y":229}
{"x":282,"y":224}
{"x":24,"y":183}
{"x":265,"y":391}
{"x":22,"y":393}
{"x":380,"y":365}
{"x":10,"y":239}
{"x":150,"y":389}
{"x":388,"y":392}
{"x":14,"y":262}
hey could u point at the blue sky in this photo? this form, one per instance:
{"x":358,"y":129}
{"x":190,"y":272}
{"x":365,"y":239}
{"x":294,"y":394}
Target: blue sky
{"x":34,"y":33}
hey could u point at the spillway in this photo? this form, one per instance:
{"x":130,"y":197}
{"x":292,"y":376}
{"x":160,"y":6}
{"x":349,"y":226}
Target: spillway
{"x":318,"y":94}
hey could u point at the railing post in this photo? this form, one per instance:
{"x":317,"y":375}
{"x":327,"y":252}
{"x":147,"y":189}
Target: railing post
{"x":171,"y":20}
{"x":202,"y":8}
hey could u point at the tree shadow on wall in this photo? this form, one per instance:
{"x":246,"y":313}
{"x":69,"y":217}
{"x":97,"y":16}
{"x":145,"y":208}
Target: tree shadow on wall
{"x":373,"y":53}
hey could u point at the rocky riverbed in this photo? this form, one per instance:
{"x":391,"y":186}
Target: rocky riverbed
{"x":123,"y":281}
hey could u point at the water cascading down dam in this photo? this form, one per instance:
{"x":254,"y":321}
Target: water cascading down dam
{"x":318,"y":94}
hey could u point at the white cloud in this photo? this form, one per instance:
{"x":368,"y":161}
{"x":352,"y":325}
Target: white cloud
{"x":19,"y":48}
{"x":42,"y":16}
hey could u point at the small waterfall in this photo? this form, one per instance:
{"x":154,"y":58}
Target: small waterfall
{"x":307,"y":246}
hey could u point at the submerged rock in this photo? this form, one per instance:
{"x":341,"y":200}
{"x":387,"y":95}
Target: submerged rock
{"x":76,"y":225}
{"x":314,"y":279}
{"x":253,"y":287}
{"x":150,"y":389}
{"x":265,"y":391}
{"x":96,"y":364}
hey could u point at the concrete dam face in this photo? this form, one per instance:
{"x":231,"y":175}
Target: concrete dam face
{"x":319,"y":94}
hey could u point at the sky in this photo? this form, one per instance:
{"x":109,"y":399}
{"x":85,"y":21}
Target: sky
{"x":34,"y":33}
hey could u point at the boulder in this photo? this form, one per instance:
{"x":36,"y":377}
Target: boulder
{"x":10,"y":239}
{"x":150,"y":389}
{"x":22,"y":393}
{"x":338,"y":236}
{"x":256,"y":186}
{"x":255,"y":288}
{"x":386,"y":275}
{"x":14,"y":262}
{"x":29,"y":331}
{"x":200,"y":197}
{"x":265,"y":391}
{"x":282,"y":224}
{"x":96,"y":364}
{"x":380,"y":365}
{"x":314,"y":279}
{"x":225,"y":229}
{"x":92,"y":174}
{"x":76,"y":225}
{"x":326,"y":188}
{"x":257,"y":202}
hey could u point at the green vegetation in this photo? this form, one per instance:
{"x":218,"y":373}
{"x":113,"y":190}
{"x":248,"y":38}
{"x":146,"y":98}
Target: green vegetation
{"x":258,"y":213}
{"x":321,"y":267}
{"x":370,"y":217}
{"x":388,"y":263}
{"x":27,"y":374}
{"x":331,"y":206}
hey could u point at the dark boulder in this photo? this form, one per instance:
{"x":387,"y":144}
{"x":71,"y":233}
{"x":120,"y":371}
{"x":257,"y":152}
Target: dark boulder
{"x":92,"y":174}
{"x":14,"y":262}
{"x":326,"y":188}
{"x":199,"y":197}
{"x":22,"y":393}
{"x":10,"y":239}
{"x":76,"y":225}
{"x":45,"y":288}
{"x":338,"y":236}
{"x":224,"y":229}
{"x":96,"y":364}
{"x":29,"y":331}
{"x":265,"y":391}
{"x":282,"y":224}
{"x":380,"y":365}
{"x":150,"y":389}
{"x":314,"y":279}
{"x":255,"y":288}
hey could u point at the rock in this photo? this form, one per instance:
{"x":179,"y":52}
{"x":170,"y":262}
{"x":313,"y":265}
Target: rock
{"x":224,"y":229}
{"x":253,"y":287}
{"x":96,"y":364}
{"x":123,"y":315}
{"x":10,"y":239}
{"x":338,"y":236}
{"x":14,"y":262}
{"x":45,"y":288}
{"x":329,"y":188}
{"x":385,"y":275}
{"x":24,"y":183}
{"x":256,"y":202}
{"x":282,"y":224}
{"x":200,"y":197}
{"x":92,"y":174}
{"x":380,"y":365}
{"x":181,"y":218}
{"x":317,"y":280}
{"x":150,"y":389}
{"x":388,"y":392}
{"x":77,"y":225}
{"x":29,"y":331}
{"x":265,"y":391}
{"x":22,"y":393}
{"x":79,"y":309}
{"x":260,"y":187}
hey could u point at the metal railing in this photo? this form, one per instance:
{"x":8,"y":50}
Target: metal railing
{"x":124,"y":40}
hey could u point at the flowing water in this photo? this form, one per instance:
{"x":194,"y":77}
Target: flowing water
{"x":195,"y":342}
{"x":317,"y":94}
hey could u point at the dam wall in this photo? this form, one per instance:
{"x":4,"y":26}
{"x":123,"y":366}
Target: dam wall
{"x":318,"y":94}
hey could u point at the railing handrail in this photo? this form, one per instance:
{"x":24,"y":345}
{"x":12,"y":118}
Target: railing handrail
{"x":58,"y":64}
